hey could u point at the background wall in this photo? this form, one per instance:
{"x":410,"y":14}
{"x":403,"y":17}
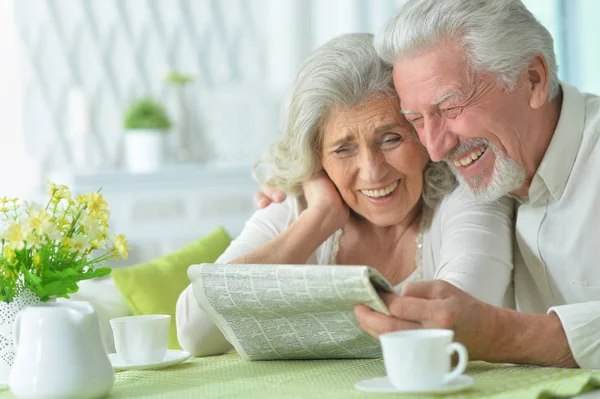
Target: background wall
{"x":243,"y":54}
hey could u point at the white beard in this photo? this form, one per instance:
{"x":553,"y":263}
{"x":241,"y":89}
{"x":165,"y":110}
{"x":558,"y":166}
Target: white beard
{"x":507,"y":175}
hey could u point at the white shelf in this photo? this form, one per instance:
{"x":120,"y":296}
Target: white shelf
{"x":162,"y":211}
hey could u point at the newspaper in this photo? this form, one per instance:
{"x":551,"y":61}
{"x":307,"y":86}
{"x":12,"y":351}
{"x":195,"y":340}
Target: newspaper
{"x":290,"y":311}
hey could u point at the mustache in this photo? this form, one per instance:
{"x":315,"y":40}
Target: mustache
{"x":462,"y":148}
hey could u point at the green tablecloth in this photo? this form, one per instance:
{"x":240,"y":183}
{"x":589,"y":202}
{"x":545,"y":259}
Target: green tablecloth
{"x":228,"y":376}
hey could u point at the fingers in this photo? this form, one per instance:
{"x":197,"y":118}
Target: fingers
{"x":261,"y":201}
{"x":412,"y":309}
{"x":267,"y":196}
{"x":428,"y":313}
{"x":273,"y":194}
{"x":375,"y":323}
{"x":435,"y":289}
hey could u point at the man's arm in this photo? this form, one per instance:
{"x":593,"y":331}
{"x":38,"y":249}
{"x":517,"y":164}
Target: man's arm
{"x":490,"y":333}
{"x":527,"y":338}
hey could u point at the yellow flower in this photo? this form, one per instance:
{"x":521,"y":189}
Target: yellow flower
{"x":67,"y":243}
{"x":96,"y":205}
{"x":10,"y":256}
{"x":39,"y":221}
{"x":121,"y":245}
{"x":51,"y":233}
{"x":36,"y":259}
{"x":31,"y":207}
{"x":58,"y":192}
{"x":63,"y":222}
{"x":98,"y":237}
{"x":15,"y":236}
{"x":5,"y":200}
{"x":81,"y":244}
{"x":8,"y":274}
{"x":4,"y":203}
{"x":33,"y":242}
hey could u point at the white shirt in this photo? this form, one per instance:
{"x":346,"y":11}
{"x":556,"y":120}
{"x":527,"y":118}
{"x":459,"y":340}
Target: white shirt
{"x":557,"y":259}
{"x":467,"y":243}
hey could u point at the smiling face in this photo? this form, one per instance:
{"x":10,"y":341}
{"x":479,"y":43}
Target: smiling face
{"x":372,"y":157}
{"x":466,"y":119}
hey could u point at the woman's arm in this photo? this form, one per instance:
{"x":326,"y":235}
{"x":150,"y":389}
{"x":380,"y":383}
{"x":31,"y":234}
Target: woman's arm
{"x":476,"y":251}
{"x":196,"y":332}
{"x":296,"y":244}
{"x":321,"y":213}
{"x":274,"y":235}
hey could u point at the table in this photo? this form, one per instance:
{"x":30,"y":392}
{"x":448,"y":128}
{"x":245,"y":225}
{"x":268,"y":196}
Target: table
{"x":229,"y":376}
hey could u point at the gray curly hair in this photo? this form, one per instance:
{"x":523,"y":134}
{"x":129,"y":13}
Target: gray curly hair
{"x":344,"y":72}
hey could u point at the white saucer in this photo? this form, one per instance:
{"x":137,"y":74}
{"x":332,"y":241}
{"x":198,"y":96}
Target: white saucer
{"x":172,"y":357}
{"x":383,"y":385}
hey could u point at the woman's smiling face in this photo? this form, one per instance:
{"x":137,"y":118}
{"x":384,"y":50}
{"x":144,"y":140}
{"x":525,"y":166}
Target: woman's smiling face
{"x":372,"y":157}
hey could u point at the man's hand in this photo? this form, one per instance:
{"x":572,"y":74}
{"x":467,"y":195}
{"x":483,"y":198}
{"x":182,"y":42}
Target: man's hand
{"x":490,"y":333}
{"x":434,"y":304}
{"x":267,"y":196}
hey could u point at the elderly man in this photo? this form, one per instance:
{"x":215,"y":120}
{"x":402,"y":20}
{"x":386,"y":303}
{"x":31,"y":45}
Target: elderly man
{"x":478,"y":81}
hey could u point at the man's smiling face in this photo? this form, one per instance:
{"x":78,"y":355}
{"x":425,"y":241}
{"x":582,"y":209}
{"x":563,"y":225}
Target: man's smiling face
{"x":465,"y":119}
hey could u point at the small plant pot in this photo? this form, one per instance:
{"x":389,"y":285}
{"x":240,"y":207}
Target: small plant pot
{"x":145,"y":150}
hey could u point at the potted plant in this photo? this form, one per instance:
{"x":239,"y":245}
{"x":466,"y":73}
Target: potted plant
{"x":146,"y":123}
{"x":46,"y":250}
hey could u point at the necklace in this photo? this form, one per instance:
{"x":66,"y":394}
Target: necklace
{"x":423,"y":224}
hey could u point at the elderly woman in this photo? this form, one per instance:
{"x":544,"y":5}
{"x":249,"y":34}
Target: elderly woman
{"x":362,"y":192}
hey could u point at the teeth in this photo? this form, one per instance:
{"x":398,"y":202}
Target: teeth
{"x":469,"y":158}
{"x":382,"y":192}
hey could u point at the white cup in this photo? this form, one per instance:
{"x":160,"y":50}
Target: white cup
{"x":421,"y":359}
{"x":141,"y":339}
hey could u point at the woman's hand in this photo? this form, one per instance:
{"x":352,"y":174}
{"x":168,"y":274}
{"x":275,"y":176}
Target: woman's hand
{"x":325,"y":202}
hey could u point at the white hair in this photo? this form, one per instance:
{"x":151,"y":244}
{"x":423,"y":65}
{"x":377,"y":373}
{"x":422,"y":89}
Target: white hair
{"x":344,"y":72}
{"x":498,"y":36}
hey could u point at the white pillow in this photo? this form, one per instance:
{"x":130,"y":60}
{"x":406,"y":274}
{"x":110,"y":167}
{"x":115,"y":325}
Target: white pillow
{"x":105,"y":298}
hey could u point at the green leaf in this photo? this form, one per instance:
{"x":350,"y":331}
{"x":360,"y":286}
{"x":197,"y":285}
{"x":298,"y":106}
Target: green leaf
{"x":146,"y":113}
{"x":179,"y":79}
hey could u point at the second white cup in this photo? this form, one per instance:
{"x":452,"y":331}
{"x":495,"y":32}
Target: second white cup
{"x":421,"y":359}
{"x":141,"y":339}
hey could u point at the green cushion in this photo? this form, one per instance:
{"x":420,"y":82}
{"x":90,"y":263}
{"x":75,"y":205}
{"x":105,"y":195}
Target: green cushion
{"x":154,"y":287}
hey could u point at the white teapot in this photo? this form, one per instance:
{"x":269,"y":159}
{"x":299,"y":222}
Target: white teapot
{"x":59,"y":353}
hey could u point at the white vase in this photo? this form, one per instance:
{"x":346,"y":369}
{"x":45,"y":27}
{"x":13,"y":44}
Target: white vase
{"x":8,"y":312}
{"x":144,"y":150}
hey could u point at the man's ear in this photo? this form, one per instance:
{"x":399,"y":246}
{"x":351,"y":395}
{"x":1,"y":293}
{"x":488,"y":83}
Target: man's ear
{"x":538,"y":81}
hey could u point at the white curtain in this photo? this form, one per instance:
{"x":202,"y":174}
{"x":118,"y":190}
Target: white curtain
{"x":19,"y":174}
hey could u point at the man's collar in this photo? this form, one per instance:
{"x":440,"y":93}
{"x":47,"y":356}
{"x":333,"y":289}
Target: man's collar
{"x":555,"y":168}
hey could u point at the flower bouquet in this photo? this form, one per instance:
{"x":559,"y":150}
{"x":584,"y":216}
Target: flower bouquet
{"x":46,"y":250}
